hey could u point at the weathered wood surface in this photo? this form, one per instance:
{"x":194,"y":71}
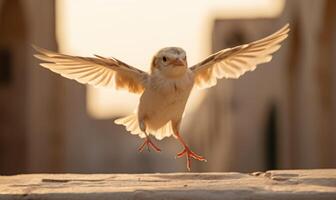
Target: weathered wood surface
{"x":285,"y":184}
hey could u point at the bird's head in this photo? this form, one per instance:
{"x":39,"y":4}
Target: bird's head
{"x":170,"y":62}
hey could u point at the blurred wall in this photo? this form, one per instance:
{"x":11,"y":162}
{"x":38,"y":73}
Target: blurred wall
{"x":13,"y":79}
{"x":28,"y":98}
{"x":45,"y":91}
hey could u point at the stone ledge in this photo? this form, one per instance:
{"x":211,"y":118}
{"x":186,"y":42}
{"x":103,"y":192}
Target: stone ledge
{"x":282,"y":184}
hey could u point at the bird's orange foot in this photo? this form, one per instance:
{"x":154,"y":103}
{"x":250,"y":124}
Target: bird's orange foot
{"x":190,"y":154}
{"x":148,"y":142}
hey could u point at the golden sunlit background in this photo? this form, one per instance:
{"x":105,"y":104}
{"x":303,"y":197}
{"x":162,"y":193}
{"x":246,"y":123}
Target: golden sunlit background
{"x":87,"y":27}
{"x":280,"y":116}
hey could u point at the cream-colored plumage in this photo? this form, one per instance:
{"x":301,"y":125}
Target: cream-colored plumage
{"x":166,"y":88}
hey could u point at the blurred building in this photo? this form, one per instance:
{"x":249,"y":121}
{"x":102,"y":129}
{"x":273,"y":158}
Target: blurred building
{"x":28,"y":105}
{"x":280,"y":116}
{"x":283,"y":114}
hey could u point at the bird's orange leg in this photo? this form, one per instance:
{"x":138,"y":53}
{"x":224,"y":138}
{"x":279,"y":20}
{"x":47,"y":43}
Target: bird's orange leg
{"x":148,"y":142}
{"x":190,"y":154}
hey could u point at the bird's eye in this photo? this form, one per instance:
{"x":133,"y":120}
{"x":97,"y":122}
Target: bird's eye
{"x":164,"y":58}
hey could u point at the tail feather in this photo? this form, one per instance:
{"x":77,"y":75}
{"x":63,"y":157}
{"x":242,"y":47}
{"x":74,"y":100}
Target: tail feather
{"x":132,"y":125}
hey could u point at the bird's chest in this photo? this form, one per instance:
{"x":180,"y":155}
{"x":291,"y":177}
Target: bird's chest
{"x":166,"y":97}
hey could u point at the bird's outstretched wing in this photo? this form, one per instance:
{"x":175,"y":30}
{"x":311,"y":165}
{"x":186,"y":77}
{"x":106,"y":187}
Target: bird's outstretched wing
{"x":97,"y":71}
{"x":234,"y":62}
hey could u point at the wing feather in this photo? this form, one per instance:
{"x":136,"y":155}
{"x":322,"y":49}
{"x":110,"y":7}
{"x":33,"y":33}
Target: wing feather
{"x":234,"y":62}
{"x":97,"y":71}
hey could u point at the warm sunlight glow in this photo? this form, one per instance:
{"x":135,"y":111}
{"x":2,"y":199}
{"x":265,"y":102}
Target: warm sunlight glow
{"x":133,"y":31}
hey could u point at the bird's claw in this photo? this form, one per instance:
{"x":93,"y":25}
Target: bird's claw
{"x":190,"y":154}
{"x":149,"y":144}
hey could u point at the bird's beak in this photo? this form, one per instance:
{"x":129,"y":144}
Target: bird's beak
{"x":178,"y":62}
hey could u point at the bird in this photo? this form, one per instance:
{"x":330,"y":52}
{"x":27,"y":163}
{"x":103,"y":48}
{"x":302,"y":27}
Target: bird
{"x":165,"y":88}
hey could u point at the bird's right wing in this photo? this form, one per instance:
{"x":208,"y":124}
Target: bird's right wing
{"x":97,"y":71}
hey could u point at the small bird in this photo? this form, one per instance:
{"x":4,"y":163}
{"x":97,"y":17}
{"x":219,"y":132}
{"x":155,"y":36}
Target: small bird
{"x":164,"y":91}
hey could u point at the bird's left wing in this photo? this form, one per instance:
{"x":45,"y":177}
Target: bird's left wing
{"x":97,"y":71}
{"x":234,"y":62}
